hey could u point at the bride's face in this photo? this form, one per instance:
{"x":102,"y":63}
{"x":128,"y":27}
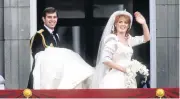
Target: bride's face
{"x":122,"y":24}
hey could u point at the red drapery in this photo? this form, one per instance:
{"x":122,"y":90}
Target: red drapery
{"x":92,"y":93}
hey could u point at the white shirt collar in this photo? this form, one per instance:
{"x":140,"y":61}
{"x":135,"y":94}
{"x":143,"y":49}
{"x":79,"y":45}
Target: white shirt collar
{"x":50,"y":30}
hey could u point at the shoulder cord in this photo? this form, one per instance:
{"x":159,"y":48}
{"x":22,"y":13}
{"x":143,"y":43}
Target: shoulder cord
{"x":43,"y":40}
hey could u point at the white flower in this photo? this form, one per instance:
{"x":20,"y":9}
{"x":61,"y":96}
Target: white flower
{"x":131,"y":70}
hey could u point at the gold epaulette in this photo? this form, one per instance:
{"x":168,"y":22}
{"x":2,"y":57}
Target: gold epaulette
{"x":32,"y":40}
{"x":40,"y":31}
{"x":43,"y":39}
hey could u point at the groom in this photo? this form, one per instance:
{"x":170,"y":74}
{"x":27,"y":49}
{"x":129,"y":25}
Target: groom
{"x":44,"y":37}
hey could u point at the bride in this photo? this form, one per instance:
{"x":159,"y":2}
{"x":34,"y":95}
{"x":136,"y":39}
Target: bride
{"x":114,"y":67}
{"x":60,"y":68}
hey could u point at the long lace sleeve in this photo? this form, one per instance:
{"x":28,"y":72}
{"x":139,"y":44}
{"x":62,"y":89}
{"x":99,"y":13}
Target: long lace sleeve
{"x":109,"y":48}
{"x":137,"y":40}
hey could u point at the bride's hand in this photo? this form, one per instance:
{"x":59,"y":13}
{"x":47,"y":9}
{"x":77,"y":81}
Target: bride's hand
{"x":124,"y":70}
{"x":139,"y":18}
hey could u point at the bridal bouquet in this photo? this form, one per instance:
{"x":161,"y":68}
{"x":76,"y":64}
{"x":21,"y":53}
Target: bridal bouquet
{"x":131,"y":70}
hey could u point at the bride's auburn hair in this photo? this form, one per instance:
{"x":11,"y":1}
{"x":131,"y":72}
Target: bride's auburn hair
{"x":117,"y":20}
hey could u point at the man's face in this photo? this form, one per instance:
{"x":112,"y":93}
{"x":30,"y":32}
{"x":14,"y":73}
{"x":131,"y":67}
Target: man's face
{"x":50,"y":20}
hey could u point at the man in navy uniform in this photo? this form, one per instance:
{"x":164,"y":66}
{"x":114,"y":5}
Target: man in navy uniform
{"x":45,"y":36}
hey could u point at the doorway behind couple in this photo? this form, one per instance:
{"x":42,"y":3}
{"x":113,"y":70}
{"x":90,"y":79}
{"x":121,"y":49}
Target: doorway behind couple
{"x":81,"y":23}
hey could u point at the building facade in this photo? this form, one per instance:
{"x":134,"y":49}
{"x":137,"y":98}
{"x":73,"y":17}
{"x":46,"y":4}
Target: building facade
{"x":19,"y":20}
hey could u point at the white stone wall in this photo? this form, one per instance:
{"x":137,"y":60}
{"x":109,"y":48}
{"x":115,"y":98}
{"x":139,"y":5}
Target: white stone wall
{"x":16,"y":42}
{"x":1,"y":37}
{"x":167,"y":15}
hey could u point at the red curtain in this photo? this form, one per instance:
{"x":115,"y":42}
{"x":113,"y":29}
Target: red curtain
{"x":92,"y":93}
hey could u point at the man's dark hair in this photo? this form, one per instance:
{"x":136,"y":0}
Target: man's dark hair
{"x":49,"y":10}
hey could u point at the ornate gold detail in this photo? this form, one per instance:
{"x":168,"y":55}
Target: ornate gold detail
{"x":40,"y":31}
{"x":160,"y":93}
{"x":27,"y":93}
{"x":43,"y":41}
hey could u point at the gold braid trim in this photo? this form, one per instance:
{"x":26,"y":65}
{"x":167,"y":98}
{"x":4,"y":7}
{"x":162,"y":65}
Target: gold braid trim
{"x":43,"y":40}
{"x":31,"y":42}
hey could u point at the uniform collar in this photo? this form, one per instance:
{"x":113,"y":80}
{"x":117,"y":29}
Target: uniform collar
{"x":50,"y":30}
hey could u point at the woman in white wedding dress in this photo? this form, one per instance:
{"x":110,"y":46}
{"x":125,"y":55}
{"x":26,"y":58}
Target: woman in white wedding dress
{"x":115,"y":51}
{"x":60,"y":68}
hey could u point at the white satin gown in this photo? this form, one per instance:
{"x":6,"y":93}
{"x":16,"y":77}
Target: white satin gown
{"x":120,"y":54}
{"x":60,"y":68}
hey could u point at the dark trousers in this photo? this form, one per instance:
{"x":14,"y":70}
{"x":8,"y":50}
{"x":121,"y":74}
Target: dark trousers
{"x":31,"y":78}
{"x":139,"y":79}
